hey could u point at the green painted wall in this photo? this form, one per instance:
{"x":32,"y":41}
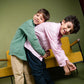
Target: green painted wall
{"x":14,"y":12}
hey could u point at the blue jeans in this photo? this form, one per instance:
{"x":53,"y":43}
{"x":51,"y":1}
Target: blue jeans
{"x":38,"y":69}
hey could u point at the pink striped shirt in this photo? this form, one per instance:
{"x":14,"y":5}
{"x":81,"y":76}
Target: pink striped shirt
{"x":49,"y":38}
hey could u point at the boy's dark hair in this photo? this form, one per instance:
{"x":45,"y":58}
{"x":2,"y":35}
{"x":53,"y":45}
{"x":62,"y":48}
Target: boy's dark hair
{"x":45,"y":12}
{"x":75,"y":22}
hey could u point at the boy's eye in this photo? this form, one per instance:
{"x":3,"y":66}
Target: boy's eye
{"x":41,"y":18}
{"x":69,"y":26}
{"x":37,"y":14}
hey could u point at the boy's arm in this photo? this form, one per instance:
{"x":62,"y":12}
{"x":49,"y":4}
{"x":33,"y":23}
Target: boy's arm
{"x":28,"y":29}
{"x":35,"y":43}
{"x":56,"y":46}
{"x":59,"y":52}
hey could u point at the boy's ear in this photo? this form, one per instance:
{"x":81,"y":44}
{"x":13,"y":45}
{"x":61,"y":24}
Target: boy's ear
{"x":63,"y":21}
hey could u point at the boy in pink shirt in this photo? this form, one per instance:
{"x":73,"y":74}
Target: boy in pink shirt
{"x":49,"y":35}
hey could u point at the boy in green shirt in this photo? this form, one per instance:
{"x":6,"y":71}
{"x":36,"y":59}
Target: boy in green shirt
{"x":17,"y":51}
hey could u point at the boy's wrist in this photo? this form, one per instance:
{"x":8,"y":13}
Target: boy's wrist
{"x":66,"y":70}
{"x":67,"y":61}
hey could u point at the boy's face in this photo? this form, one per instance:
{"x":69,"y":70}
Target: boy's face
{"x":66,"y":28}
{"x":38,"y":18}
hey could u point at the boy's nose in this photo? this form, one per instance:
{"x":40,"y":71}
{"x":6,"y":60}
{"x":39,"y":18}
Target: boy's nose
{"x":37,"y":19}
{"x":68,"y":30}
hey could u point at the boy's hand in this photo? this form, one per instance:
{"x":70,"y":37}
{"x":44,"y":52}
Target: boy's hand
{"x":46,"y":54}
{"x":71,"y":66}
{"x":67,"y":71}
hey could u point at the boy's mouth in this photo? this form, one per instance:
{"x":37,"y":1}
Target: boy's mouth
{"x":36,"y":20}
{"x":64,"y":31}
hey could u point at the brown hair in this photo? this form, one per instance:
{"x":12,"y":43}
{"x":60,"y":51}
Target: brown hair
{"x":45,"y":12}
{"x":75,"y":22}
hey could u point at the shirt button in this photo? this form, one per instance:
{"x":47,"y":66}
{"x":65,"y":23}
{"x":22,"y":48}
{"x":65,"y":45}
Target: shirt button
{"x":60,"y":63}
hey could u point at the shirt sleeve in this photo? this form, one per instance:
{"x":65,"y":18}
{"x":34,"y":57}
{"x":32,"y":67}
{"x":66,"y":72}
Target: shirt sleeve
{"x":28,"y":29}
{"x":55,"y":45}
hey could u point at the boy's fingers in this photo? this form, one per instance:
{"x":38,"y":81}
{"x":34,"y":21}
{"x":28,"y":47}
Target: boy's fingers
{"x":72,"y":67}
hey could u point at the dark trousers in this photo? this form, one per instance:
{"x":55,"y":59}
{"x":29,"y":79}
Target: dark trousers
{"x":38,"y":69}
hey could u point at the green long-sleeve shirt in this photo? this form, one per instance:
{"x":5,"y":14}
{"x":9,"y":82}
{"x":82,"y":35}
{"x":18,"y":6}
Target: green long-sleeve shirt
{"x":24,"y":32}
